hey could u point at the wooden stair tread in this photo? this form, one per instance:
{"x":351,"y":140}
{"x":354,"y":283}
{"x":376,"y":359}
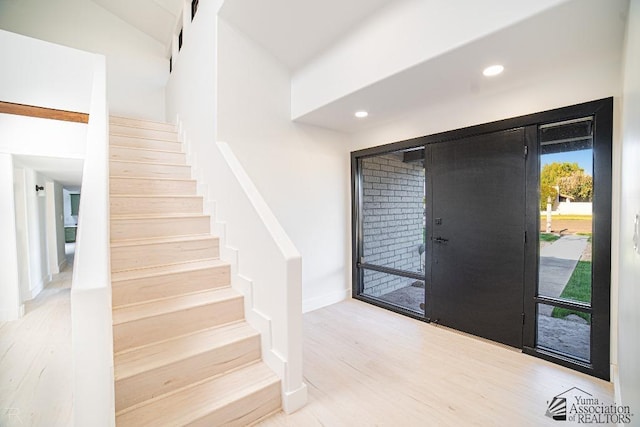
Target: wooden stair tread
{"x":124,"y":135}
{"x":120,"y":276}
{"x":136,"y":361}
{"x":151,"y":179}
{"x":157,"y":196}
{"x":136,"y":149}
{"x":144,"y":124}
{"x":156,"y":216}
{"x":139,"y":123}
{"x":168,"y":305}
{"x":191,"y":403}
{"x":136,"y":162}
{"x":155,"y":240}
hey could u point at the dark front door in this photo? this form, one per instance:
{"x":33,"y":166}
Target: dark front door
{"x":477,"y":227}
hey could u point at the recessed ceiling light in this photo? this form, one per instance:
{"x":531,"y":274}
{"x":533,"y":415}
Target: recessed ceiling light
{"x":361,"y":114}
{"x":493,"y":70}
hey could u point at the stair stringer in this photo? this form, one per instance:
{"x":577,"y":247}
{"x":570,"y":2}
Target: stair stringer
{"x":291,"y":400}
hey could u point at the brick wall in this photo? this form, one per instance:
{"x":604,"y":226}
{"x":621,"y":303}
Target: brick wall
{"x":393,"y":193}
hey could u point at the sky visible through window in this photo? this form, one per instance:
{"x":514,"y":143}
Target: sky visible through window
{"x":584,"y":158}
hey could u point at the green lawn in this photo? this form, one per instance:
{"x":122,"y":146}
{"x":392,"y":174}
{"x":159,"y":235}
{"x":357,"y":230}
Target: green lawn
{"x":578,"y":289}
{"x":548,"y":237}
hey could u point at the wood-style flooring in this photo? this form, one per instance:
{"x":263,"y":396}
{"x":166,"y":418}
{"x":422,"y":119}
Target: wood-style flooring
{"x":364,"y":366}
{"x":35,"y":359}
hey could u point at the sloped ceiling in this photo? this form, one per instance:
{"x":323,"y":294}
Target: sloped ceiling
{"x":155,"y":18}
{"x":293,"y":31}
{"x":296,"y":31}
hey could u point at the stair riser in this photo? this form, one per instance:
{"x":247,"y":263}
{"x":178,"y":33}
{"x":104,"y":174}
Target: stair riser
{"x":149,"y":144}
{"x":253,"y":406}
{"x":155,"y":205}
{"x":170,"y":325}
{"x":149,"y":170}
{"x":156,"y":254}
{"x":143,"y":133}
{"x":149,"y":288}
{"x":146,"y":228}
{"x":122,"y":121}
{"x":151,"y":383}
{"x":150,"y":156}
{"x":151,"y":187}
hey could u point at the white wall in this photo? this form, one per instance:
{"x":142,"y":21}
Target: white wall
{"x":59,"y":225}
{"x":9,"y":289}
{"x":629,"y":273}
{"x":400,"y":36}
{"x":64,"y":84}
{"x":300,"y":170}
{"x":36,"y":224}
{"x":55,"y":228}
{"x":137,"y":68}
{"x":23,"y":81}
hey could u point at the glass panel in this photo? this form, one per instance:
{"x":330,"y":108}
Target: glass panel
{"x":393,"y":227}
{"x":397,"y":290}
{"x":566,"y":188}
{"x":564,"y":331}
{"x":75,"y":204}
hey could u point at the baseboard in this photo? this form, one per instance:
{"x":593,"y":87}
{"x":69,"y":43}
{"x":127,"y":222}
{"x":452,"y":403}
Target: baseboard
{"x":315,"y":303}
{"x":9,"y":315}
{"x":617,"y":392}
{"x":35,"y":291}
{"x":294,"y":400}
{"x":62,"y":265}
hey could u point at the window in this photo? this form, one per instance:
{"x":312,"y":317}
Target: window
{"x":75,"y":204}
{"x":194,"y":8}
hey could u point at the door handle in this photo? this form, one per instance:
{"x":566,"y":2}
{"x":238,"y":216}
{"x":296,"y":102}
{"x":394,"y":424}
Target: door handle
{"x":440,"y":240}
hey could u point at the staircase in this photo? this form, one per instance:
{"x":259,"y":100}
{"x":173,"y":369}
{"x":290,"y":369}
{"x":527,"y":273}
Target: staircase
{"x":183,"y":354}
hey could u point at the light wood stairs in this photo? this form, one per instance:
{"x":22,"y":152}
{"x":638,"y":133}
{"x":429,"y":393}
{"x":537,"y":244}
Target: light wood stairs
{"x":183,"y":354}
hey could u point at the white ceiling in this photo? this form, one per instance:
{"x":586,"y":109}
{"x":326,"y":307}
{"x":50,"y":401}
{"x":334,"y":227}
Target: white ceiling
{"x":293,"y":31}
{"x":67,"y":172}
{"x":296,"y":31}
{"x":156,"y":18}
{"x":576,"y":34}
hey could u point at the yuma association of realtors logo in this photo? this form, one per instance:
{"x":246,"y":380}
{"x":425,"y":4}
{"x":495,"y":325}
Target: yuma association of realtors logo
{"x":578,"y":406}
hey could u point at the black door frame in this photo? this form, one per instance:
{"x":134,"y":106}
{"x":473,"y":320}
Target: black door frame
{"x":602,"y":112}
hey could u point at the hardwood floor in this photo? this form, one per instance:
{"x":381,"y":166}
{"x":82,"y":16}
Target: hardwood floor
{"x":365,"y":366}
{"x":35,"y":359}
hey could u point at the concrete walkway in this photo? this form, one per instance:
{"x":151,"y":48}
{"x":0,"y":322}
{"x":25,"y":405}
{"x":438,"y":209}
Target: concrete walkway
{"x":557,"y":262}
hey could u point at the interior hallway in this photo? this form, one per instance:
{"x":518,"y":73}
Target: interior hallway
{"x":35,"y":358}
